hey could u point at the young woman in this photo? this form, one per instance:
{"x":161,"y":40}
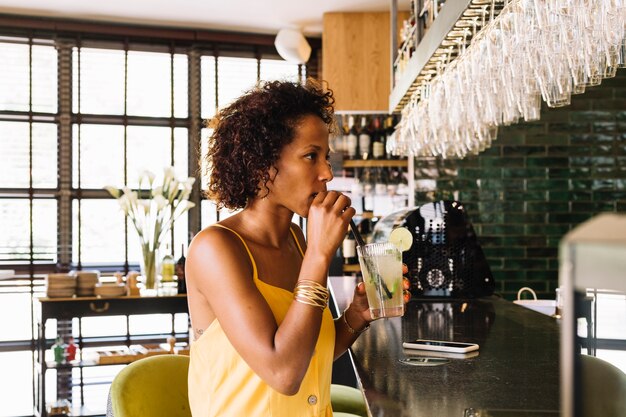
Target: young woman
{"x":264,"y":337}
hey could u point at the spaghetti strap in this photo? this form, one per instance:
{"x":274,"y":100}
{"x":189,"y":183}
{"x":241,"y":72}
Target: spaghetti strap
{"x":254,"y":270}
{"x":297,"y":242}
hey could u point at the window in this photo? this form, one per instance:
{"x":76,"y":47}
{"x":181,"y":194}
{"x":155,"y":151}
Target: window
{"x":79,"y":114}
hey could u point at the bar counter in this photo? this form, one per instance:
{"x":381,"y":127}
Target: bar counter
{"x":514,"y":373}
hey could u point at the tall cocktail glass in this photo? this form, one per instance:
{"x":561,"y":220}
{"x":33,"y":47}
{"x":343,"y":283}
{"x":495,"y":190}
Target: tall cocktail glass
{"x":381,"y":265}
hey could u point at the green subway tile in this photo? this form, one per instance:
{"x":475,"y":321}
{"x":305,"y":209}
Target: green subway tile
{"x":524,"y":217}
{"x":580,"y":195}
{"x":521,"y":240}
{"x":621,"y":115}
{"x":603,"y":185}
{"x":489,"y":217}
{"x":582,"y":150}
{"x":548,"y":139}
{"x":501,"y":205}
{"x":591,"y":116}
{"x":580,"y":184}
{"x":508,"y":151}
{"x":493,"y":173}
{"x":525,"y":195}
{"x":610,"y":104}
{"x":559,"y":195}
{"x":509,"y":275}
{"x":568,"y":217}
{"x":621,"y":206}
{"x":504,"y":252}
{"x":606,"y":171}
{"x":542,"y":252}
{"x":556,"y":116}
{"x":591,"y":139}
{"x":525,"y":264}
{"x":491,"y":162}
{"x":603,"y":150}
{"x":546,"y":207}
{"x":527,"y":128}
{"x":509,"y":184}
{"x":604,"y":127}
{"x":559,"y":150}
{"x":502,"y":230}
{"x":553,"y":264}
{"x":536,"y":162}
{"x":547,"y":229}
{"x":495,"y":263}
{"x":493,"y":151}
{"x":524,"y":173}
{"x":568,"y":172}
{"x":511,"y":138}
{"x":603,"y":161}
{"x":468,"y":195}
{"x":553,"y":241}
{"x":571,"y":127}
{"x":489,"y":195}
{"x":560,"y":184}
{"x":581,"y":161}
{"x":585,"y":206}
{"x":490,"y":241}
{"x":604,"y":205}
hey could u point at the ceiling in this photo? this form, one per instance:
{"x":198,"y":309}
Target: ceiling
{"x":258,"y":16}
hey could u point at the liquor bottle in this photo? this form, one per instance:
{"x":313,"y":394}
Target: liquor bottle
{"x":378,"y":136}
{"x":180,"y":272}
{"x":365,"y":226}
{"x":380,"y":181}
{"x":389,"y":132}
{"x":345,"y":131}
{"x":352,"y":140}
{"x":348,"y":249}
{"x":365,"y":140}
{"x":167,"y":285}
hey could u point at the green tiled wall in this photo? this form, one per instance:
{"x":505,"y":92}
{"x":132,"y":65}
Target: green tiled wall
{"x":536,"y":182}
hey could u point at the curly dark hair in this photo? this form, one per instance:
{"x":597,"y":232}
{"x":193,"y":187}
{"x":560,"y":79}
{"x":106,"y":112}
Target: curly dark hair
{"x":251,"y":133}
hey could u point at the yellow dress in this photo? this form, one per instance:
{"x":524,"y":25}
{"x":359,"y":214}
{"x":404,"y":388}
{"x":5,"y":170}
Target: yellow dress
{"x":222,"y":384}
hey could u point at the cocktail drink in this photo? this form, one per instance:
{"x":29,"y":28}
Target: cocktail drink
{"x":381,"y":265}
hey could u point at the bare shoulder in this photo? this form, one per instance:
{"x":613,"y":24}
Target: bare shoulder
{"x":213,"y":252}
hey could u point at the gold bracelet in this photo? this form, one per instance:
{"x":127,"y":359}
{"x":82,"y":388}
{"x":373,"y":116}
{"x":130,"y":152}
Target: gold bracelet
{"x":350,"y":329}
{"x":311,"y":293}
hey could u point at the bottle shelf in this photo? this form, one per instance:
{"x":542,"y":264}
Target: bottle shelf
{"x":371,"y":163}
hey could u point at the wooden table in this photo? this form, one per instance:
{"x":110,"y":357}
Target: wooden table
{"x":515,"y":372}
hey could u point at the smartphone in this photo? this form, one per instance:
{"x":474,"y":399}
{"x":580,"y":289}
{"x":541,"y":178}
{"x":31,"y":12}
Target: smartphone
{"x":440,"y":345}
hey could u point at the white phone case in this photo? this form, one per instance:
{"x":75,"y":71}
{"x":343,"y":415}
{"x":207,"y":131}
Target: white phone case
{"x":441,"y":346}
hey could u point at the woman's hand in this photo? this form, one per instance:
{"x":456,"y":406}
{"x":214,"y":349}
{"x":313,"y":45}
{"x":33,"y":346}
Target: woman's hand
{"x":406,"y":284}
{"x":360,"y":307}
{"x":327,"y":222}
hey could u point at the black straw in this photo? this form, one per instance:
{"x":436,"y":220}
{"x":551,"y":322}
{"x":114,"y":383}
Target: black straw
{"x":360,"y":242}
{"x":357,"y":234}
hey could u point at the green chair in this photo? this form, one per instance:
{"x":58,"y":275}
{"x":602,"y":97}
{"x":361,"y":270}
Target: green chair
{"x":347,"y":401}
{"x":157,"y":386}
{"x":151,"y":387}
{"x":603,"y":388}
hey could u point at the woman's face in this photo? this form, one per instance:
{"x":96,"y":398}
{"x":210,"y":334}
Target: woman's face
{"x":303,"y":167}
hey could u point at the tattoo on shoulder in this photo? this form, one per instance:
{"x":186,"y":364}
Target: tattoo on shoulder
{"x":199,"y":332}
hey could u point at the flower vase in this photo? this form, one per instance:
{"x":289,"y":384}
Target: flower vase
{"x":149,"y":272}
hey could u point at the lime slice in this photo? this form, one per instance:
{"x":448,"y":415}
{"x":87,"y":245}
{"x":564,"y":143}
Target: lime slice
{"x":402,"y":238}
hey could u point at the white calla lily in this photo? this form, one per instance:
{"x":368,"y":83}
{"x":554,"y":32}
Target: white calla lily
{"x":153,"y":217}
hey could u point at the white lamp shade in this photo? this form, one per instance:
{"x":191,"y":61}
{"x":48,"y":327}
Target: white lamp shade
{"x":292,"y":46}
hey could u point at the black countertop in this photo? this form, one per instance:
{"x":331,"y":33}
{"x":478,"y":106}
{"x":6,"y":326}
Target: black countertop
{"x":516,"y":368}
